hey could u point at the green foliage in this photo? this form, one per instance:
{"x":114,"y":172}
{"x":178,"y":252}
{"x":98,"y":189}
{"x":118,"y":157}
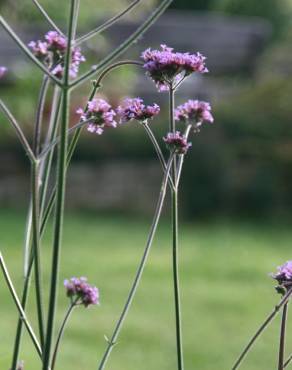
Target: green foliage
{"x":277,"y":12}
{"x":245,"y":161}
{"x":91,"y":11}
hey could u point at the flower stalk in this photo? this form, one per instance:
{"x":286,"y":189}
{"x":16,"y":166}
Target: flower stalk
{"x":61,"y":332}
{"x":174,"y":216}
{"x":61,"y":183}
{"x":112,"y":341}
{"x":283,"y":337}
{"x":19,"y":306}
{"x":262,"y":327}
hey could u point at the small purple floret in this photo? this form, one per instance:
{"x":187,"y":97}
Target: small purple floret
{"x":99,"y":115}
{"x":194,"y":112}
{"x":167,"y":67}
{"x":80,"y":291}
{"x":3,"y":71}
{"x":52,"y":52}
{"x":134,"y":108}
{"x":177,"y":142}
{"x":284,"y":274}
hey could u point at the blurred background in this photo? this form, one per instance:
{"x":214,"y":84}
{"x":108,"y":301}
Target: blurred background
{"x":240,"y":166}
{"x":236,"y":199}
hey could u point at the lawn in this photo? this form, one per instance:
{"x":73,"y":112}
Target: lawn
{"x":226,"y":292}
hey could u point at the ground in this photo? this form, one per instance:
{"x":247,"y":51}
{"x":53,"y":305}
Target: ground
{"x":226,"y":292}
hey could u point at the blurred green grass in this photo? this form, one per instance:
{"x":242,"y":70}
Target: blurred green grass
{"x":225,"y":292}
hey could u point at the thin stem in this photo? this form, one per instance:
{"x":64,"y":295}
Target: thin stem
{"x":282,"y":337}
{"x":61,"y":183}
{"x":18,"y":305}
{"x":28,"y":53}
{"x":181,"y":158}
{"x":125,"y":45}
{"x":174,"y":206}
{"x":36,"y":248}
{"x":158,"y":150}
{"x":27,"y":239}
{"x":61,"y":332}
{"x":75,"y":21}
{"x":36,"y":148}
{"x":39,"y":115}
{"x":141,"y":266}
{"x":108,"y":69}
{"x":46,"y":171}
{"x":57,"y":139}
{"x":47,"y":17}
{"x":287,"y":362}
{"x":18,"y":335}
{"x":247,"y":348}
{"x":18,"y":130}
{"x":51,"y":135}
{"x":107,"y":24}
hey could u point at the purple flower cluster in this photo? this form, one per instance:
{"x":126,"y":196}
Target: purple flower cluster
{"x":52,"y":53}
{"x":194,"y":112}
{"x":99,"y":114}
{"x":134,"y":108}
{"x":79,"y":290}
{"x":177,"y":142}
{"x":284,"y":274}
{"x":3,"y":70}
{"x":167,"y":67}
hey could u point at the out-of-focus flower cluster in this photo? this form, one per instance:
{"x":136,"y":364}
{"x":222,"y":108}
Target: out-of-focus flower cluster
{"x":134,"y":108}
{"x":99,"y":115}
{"x":80,"y":292}
{"x":167,"y":67}
{"x":3,"y":70}
{"x":177,"y":142}
{"x":194,"y":112}
{"x":52,"y":51}
{"x":284,"y":275}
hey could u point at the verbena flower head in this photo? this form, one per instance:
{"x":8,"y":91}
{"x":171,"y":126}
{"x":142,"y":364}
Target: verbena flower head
{"x":52,"y":51}
{"x":3,"y":71}
{"x":81,"y":292}
{"x":284,"y":274}
{"x":134,"y":108}
{"x":177,"y":142}
{"x":167,"y":67}
{"x":99,"y":115}
{"x":194,"y":112}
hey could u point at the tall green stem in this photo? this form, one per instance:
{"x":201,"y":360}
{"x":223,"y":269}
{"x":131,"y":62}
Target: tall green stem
{"x":282,"y":337}
{"x":44,"y":174}
{"x":61,"y":183}
{"x":175,"y":264}
{"x":141,"y":266}
{"x":36,"y":248}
